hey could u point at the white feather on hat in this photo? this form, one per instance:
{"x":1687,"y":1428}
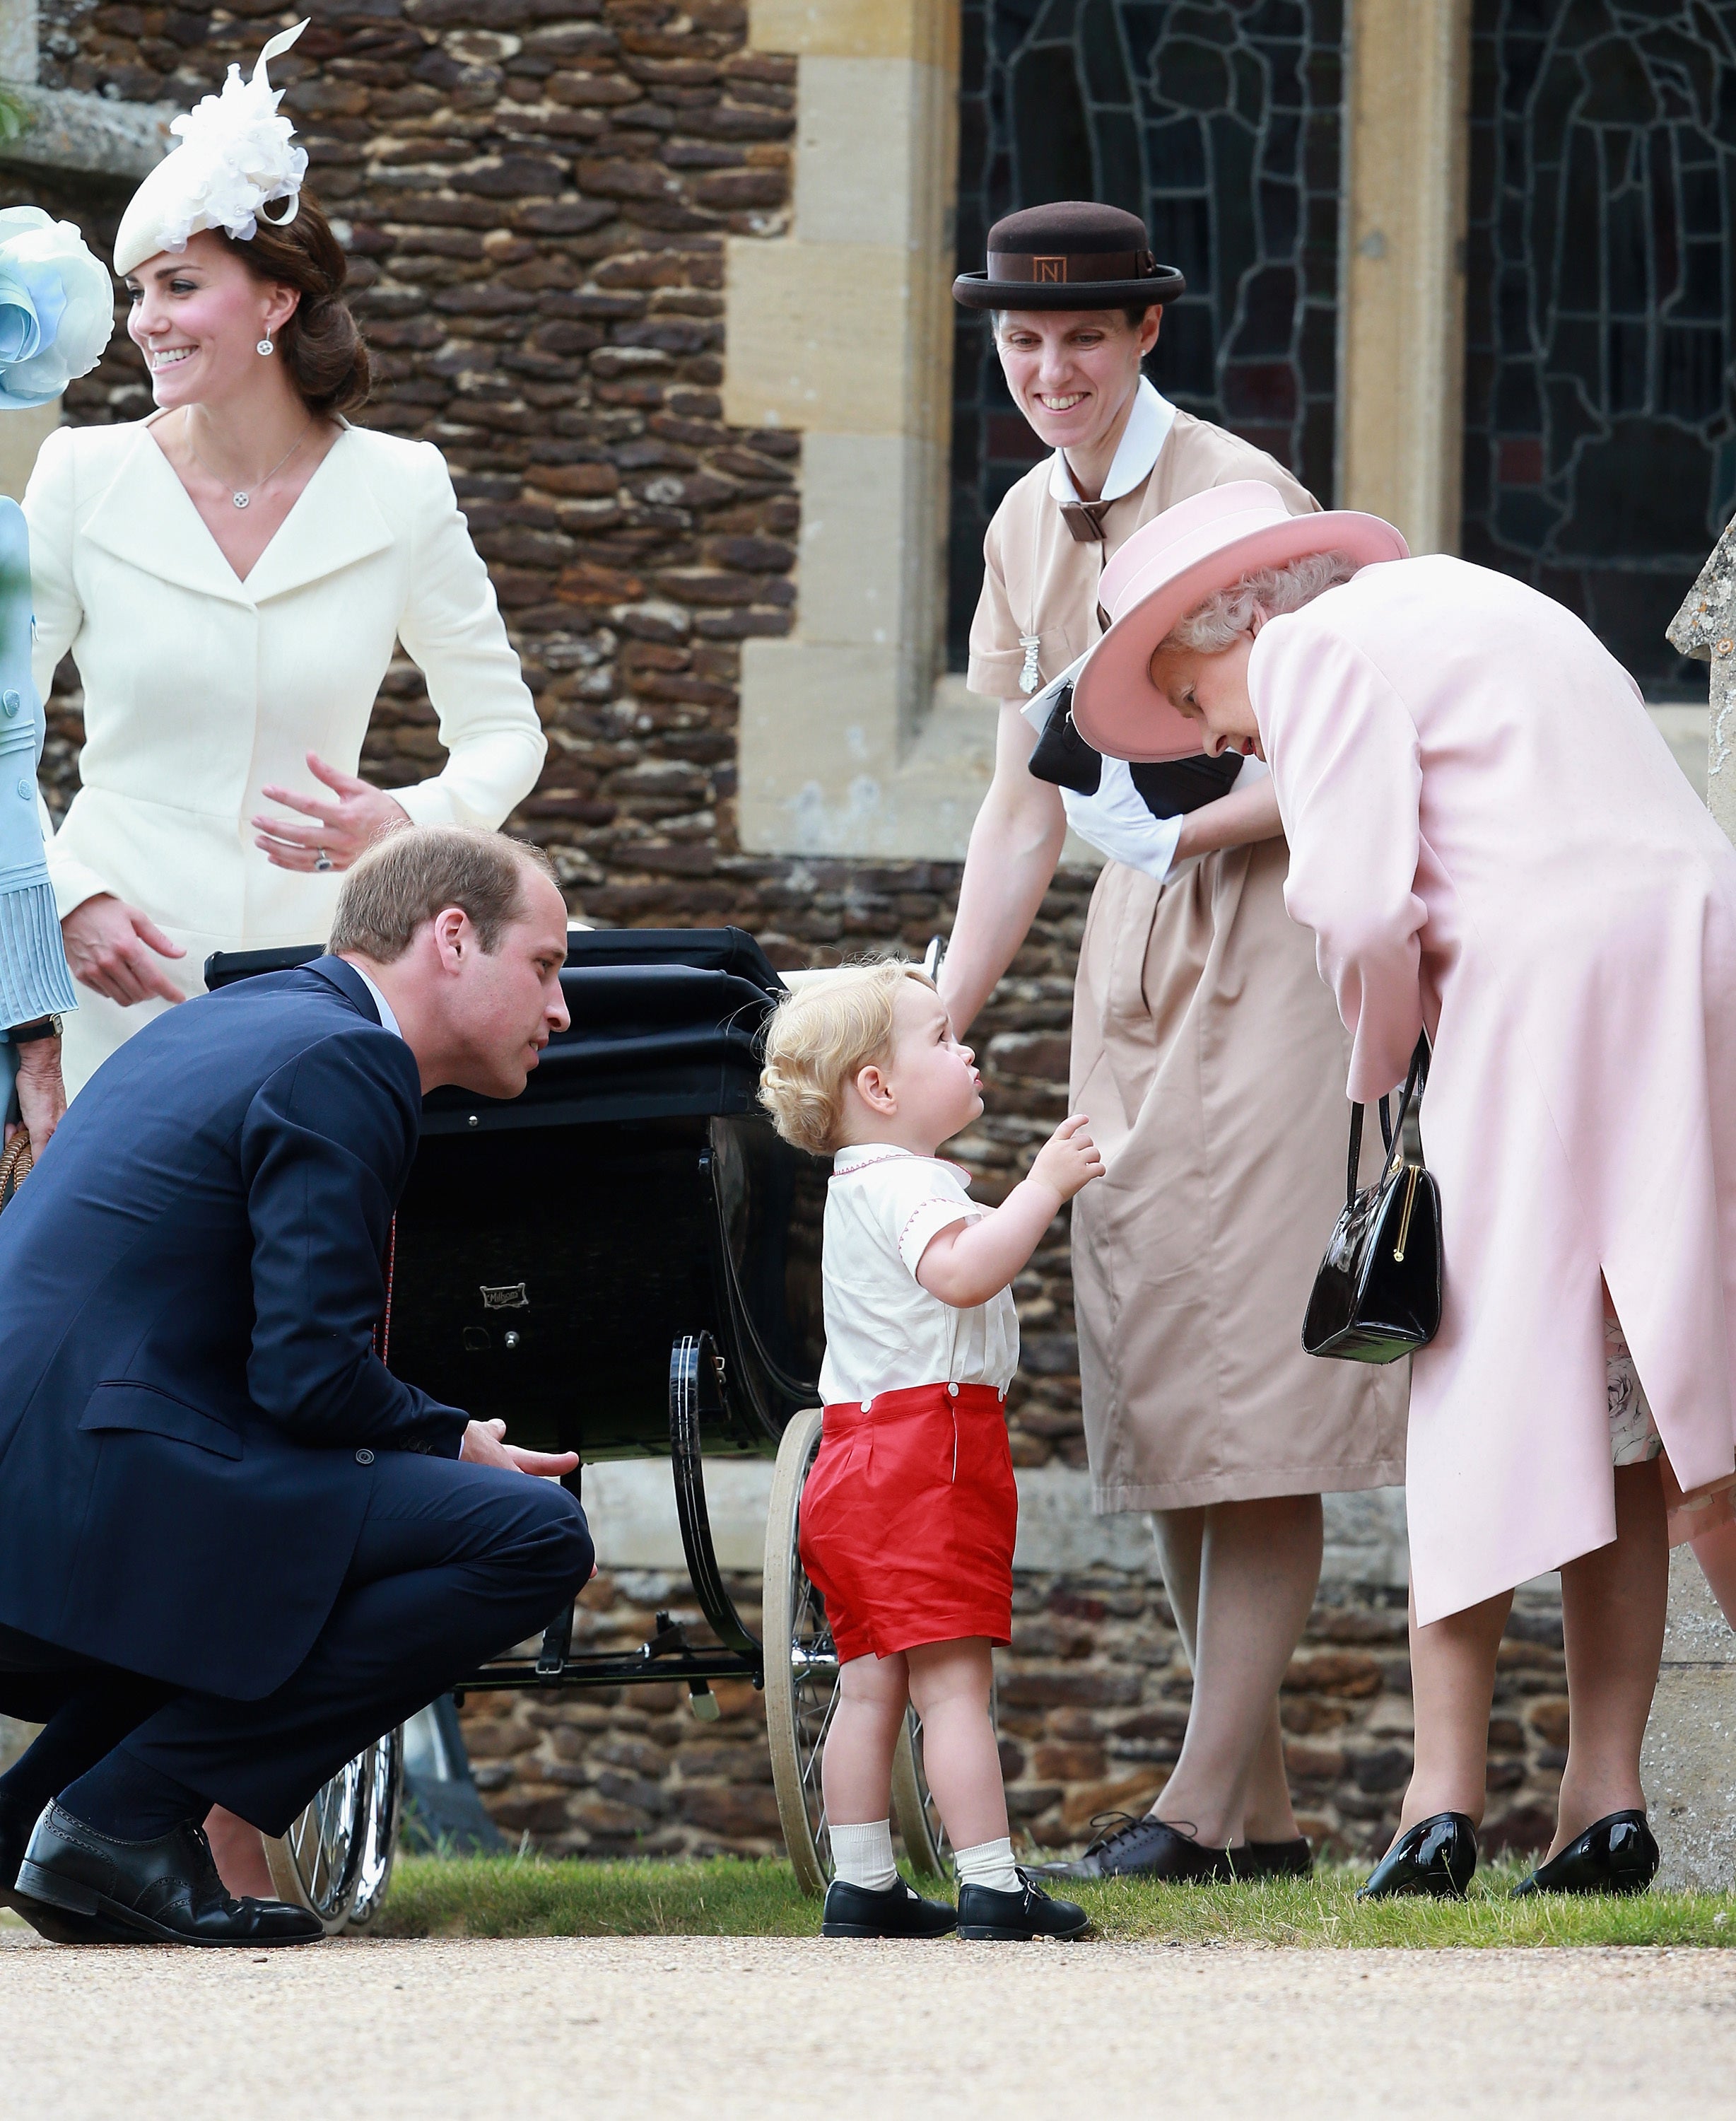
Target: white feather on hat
{"x":235,"y":158}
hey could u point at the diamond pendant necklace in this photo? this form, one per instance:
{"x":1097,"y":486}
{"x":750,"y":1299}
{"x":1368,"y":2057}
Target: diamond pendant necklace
{"x":242,"y":496}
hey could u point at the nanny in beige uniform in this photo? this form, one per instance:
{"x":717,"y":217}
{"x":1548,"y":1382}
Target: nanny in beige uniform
{"x":1206,"y":1052}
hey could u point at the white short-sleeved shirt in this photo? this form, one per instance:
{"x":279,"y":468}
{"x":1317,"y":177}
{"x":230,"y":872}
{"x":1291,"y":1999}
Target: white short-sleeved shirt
{"x":884,"y":1331}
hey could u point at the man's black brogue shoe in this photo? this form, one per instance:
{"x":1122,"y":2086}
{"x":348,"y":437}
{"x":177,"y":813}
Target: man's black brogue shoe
{"x":78,"y":1887}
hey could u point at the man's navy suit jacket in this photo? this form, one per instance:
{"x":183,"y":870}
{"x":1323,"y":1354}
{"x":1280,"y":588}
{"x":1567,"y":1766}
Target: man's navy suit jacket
{"x":189,"y":1282}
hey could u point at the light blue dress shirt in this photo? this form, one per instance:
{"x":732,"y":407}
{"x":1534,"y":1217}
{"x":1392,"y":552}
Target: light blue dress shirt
{"x":34,"y":981}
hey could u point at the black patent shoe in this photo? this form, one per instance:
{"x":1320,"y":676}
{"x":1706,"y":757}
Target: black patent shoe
{"x":1016,"y":1917}
{"x":1273,"y":1859}
{"x":1143,"y":1848}
{"x":898,"y":1911}
{"x":78,"y":1887}
{"x":1616,"y":1855}
{"x":1434,"y":1859}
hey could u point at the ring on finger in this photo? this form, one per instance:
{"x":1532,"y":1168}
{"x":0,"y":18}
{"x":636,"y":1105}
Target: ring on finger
{"x":323,"y":861}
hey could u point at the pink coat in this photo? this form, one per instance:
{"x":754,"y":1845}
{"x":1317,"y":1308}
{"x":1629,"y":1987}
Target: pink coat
{"x":1488,"y":836}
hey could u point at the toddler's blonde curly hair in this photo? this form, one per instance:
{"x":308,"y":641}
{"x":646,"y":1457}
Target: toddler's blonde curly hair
{"x":817,"y":1039}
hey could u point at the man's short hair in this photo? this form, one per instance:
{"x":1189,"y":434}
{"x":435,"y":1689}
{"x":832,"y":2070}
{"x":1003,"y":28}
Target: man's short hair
{"x":416,"y":873}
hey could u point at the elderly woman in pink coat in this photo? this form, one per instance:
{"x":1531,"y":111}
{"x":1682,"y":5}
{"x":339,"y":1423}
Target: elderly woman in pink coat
{"x":1492,"y":843}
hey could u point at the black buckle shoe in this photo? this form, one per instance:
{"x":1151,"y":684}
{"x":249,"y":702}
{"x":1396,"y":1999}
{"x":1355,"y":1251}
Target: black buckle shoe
{"x":1016,"y":1917}
{"x":1273,"y":1859}
{"x":1614,"y":1855}
{"x":1142,"y":1848}
{"x":898,"y":1911}
{"x":1434,"y":1858}
{"x":78,"y":1887}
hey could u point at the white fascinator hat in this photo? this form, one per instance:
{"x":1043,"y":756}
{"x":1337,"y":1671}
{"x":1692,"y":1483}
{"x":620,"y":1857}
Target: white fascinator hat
{"x":236,"y":157}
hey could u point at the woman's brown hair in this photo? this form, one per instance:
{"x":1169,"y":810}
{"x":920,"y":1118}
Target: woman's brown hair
{"x":325,"y":353}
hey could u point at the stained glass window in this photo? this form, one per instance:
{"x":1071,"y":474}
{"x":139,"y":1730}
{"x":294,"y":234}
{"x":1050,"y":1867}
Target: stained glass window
{"x":1600,"y":450}
{"x":1218,"y":121}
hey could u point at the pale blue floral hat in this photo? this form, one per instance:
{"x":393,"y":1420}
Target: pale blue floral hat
{"x":57,"y":307}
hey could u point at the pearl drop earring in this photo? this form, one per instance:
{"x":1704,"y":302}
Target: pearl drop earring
{"x":265,"y":345}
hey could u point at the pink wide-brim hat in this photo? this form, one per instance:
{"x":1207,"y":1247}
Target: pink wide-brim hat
{"x":1168,"y":567}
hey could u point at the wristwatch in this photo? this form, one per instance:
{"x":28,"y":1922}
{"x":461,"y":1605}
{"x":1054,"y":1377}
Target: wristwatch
{"x":26,"y":1034}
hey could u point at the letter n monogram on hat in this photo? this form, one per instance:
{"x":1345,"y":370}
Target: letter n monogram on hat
{"x":1049,"y":268}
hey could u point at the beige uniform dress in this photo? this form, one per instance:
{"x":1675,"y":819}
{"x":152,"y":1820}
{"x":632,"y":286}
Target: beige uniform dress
{"x":1208,"y":1054}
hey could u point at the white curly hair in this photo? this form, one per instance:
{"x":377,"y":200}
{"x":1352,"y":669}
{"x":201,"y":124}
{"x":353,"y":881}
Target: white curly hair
{"x":1226,"y":614}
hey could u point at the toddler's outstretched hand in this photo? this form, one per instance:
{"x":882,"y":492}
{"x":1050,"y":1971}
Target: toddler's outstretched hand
{"x":1070,"y":1159}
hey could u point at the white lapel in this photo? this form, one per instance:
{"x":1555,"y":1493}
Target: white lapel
{"x":336,"y":522}
{"x":146,"y":518}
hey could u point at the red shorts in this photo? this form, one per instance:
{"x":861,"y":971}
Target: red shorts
{"x":909,"y":1519}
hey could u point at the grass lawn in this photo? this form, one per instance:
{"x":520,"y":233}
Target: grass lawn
{"x":510,"y":1896}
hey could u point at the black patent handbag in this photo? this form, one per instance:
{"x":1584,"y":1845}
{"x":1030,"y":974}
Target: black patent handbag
{"x":1377,"y":1295}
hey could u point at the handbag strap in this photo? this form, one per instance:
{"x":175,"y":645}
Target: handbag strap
{"x":1391,"y":1129}
{"x":17,"y":1162}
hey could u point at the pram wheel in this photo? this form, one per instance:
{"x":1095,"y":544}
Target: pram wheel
{"x":336,"y":1859}
{"x":801,"y":1691}
{"x":801,"y":1664}
{"x":915,"y":1812}
{"x":385,"y":1813}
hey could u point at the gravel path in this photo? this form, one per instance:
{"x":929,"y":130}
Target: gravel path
{"x":715,"y":2027}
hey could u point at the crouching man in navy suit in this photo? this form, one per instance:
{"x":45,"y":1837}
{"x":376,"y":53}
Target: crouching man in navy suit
{"x":234,"y":1548}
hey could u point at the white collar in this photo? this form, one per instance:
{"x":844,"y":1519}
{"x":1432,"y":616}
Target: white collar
{"x":389,"y":1022}
{"x":1143,"y":438}
{"x":859,"y":1155}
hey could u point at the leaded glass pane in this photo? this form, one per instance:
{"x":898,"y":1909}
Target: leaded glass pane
{"x":1218,"y":120}
{"x":1599,"y":460}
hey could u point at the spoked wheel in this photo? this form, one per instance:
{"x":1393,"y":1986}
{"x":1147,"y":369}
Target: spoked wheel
{"x":915,"y":1812}
{"x":321,"y":1862}
{"x":385,"y":1813}
{"x":801,"y":1664}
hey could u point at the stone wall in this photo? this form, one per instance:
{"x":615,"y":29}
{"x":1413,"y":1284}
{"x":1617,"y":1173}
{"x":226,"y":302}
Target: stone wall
{"x":535,"y":196}
{"x":1093,"y":1702}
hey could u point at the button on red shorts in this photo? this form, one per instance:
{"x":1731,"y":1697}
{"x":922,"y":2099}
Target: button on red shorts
{"x":909,"y":1519}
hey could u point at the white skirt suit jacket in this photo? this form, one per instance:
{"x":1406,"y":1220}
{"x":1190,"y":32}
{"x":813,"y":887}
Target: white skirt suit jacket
{"x":199,"y":688}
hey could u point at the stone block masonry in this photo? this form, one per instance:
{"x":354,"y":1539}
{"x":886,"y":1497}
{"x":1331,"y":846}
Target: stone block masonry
{"x":1092,"y":1702}
{"x":536,"y":199}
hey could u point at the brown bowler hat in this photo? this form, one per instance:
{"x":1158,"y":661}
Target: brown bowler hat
{"x":1071,"y":254}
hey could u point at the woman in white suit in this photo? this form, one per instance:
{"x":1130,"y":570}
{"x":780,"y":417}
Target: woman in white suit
{"x":231,"y":575}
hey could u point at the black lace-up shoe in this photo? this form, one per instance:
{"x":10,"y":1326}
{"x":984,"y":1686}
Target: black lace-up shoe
{"x":1017,"y":1917}
{"x":78,"y":1887}
{"x":899,"y":1911}
{"x":1616,"y":1855}
{"x":1130,"y":1848}
{"x":1434,"y":1858}
{"x":1273,"y":1859}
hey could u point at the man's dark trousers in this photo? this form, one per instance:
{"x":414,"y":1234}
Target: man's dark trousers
{"x":455,"y":1563}
{"x":209,"y":1481}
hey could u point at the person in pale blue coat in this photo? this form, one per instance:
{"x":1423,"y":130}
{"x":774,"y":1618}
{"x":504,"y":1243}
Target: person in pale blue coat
{"x":35,"y":986}
{"x":57,"y":312}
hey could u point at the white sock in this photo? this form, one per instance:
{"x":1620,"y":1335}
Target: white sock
{"x":862,"y":1855}
{"x":990,"y":1864}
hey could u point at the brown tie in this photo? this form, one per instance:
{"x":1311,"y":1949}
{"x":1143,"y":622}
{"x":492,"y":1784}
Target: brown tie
{"x":1085,"y":519}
